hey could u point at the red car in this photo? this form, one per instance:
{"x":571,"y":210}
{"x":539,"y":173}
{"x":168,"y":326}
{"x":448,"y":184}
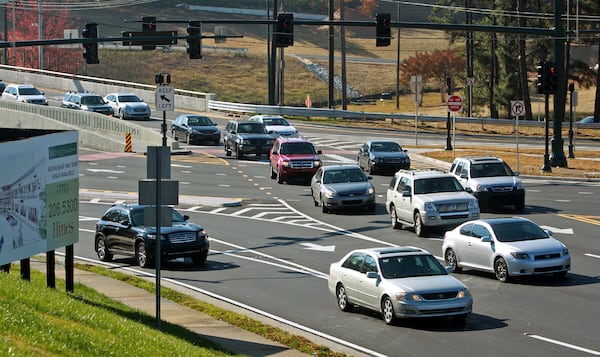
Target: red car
{"x":293,"y":158}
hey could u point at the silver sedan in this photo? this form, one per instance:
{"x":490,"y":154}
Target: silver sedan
{"x":507,"y":247}
{"x":401,"y":282}
{"x":340,"y":187}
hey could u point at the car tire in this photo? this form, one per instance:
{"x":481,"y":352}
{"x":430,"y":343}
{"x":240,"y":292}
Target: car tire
{"x":501,"y":270}
{"x":451,"y":259}
{"x":371,"y":169}
{"x":238,"y":153}
{"x":394,"y":218}
{"x":323,"y":206}
{"x":200,"y":259}
{"x":418,"y":225}
{"x":121,"y":116}
{"x":387,"y":311}
{"x":142,"y":257}
{"x":102,"y":250}
{"x":342,"y":298}
{"x":227,"y":150}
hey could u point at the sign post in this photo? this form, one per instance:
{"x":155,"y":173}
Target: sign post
{"x":455,"y":104}
{"x":517,"y":108}
{"x":416,"y":87}
{"x":165,"y":100}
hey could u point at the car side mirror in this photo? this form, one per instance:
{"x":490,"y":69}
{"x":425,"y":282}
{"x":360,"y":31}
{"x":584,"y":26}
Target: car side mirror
{"x":517,"y":173}
{"x":319,"y":152}
{"x":486,"y":239}
{"x":464,"y":176}
{"x":372,"y":275}
{"x":186,"y":217}
{"x":369,"y":178}
{"x":317,"y":180}
{"x":469,"y":190}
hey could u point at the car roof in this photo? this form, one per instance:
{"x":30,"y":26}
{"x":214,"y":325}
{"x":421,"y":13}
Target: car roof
{"x":284,"y":140}
{"x":338,"y":167}
{"x":480,"y":159}
{"x":425,"y":173}
{"x":394,"y":251}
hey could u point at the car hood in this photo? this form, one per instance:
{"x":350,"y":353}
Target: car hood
{"x":496,"y":180}
{"x":177,"y":227}
{"x":439,"y":197}
{"x":33,"y":97}
{"x":205,"y":128}
{"x":388,"y":154}
{"x":281,"y":128}
{"x":533,"y":246}
{"x":300,"y":157}
{"x":255,"y":136}
{"x":427,"y":283}
{"x":135,"y":105}
{"x":358,"y":188}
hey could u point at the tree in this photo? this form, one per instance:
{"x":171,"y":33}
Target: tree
{"x":54,"y":23}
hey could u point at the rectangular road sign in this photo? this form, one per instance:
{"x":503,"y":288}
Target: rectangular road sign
{"x":165,"y":98}
{"x":140,"y":38}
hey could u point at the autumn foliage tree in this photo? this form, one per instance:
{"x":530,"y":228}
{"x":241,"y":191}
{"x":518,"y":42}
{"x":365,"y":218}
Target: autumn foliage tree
{"x":434,"y":67}
{"x":26,"y":29}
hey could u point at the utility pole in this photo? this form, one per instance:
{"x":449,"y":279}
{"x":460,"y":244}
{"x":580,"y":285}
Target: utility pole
{"x":557,"y":158}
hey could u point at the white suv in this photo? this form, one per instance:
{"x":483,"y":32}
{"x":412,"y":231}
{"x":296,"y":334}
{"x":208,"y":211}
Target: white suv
{"x":491,"y":180}
{"x":24,"y":93}
{"x":424,"y":199}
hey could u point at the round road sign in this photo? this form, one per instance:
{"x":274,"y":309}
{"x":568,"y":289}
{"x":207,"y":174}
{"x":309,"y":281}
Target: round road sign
{"x":455,"y":103}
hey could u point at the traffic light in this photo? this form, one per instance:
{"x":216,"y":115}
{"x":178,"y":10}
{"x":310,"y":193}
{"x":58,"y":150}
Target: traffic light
{"x":552,"y":78}
{"x":91,"y":48}
{"x":284,"y":30}
{"x":541,"y":77}
{"x":149,"y":28}
{"x":383,"y":30}
{"x":194,"y":44}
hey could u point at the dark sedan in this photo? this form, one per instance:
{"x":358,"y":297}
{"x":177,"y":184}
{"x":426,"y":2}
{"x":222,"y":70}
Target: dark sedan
{"x":193,"y":128}
{"x":382,"y":156}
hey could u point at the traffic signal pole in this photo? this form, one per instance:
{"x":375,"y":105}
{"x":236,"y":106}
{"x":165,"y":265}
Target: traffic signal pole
{"x":557,"y":157}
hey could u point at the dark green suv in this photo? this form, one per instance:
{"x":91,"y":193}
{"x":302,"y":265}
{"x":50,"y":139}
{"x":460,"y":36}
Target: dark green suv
{"x":122,"y":230}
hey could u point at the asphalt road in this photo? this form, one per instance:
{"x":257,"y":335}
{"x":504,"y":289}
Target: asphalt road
{"x":272,"y":253}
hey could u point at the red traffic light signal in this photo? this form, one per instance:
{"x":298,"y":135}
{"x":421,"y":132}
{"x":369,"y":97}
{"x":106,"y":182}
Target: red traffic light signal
{"x":383,"y":30}
{"x":284,"y":30}
{"x":149,"y":25}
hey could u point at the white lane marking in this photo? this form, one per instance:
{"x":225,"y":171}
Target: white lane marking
{"x":182,"y":166}
{"x":340,"y":158}
{"x":564,"y":201}
{"x":318,"y":247}
{"x":558,"y":230}
{"x":106,"y":170}
{"x":592,"y":255}
{"x":564,"y":344}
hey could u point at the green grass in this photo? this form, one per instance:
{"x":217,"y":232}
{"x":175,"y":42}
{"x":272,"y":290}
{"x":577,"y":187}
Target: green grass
{"x":37,"y":320}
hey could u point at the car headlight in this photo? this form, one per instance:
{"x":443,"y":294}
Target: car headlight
{"x":285,"y":163}
{"x":329,"y":194}
{"x":316,"y":163}
{"x":519,"y":185}
{"x":430,"y":207}
{"x":463,"y":294}
{"x":152,"y":236}
{"x":270,"y":142}
{"x":473,"y":204}
{"x":370,"y":190}
{"x":408,"y":297}
{"x":565,"y":251}
{"x":481,"y":188}
{"x":202,"y":234}
{"x":520,"y":255}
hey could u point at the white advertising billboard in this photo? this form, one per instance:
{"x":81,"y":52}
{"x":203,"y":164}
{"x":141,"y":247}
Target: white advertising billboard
{"x":39,"y":192}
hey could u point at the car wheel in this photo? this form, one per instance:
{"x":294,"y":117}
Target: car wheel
{"x":314,"y":199}
{"x":371,"y":169}
{"x":451,"y":260}
{"x":227,"y":150}
{"x":188,"y":139}
{"x":141,"y":255}
{"x":323,"y":206}
{"x":121,"y":114}
{"x":501,"y":270}
{"x":342,"y":298}
{"x":520,"y":206}
{"x":238,"y":153}
{"x":280,"y":178}
{"x":102,"y":250}
{"x":273,"y":173}
{"x":387,"y":311}
{"x":200,"y":258}
{"x":358,"y":163}
{"x":418,"y":225}
{"x":394,"y":218}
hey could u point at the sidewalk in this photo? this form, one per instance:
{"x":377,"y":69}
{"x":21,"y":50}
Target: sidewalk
{"x":234,"y":339}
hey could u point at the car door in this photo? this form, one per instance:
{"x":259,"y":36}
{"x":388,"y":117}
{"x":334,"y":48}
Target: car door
{"x":351,"y":274}
{"x":315,"y":185}
{"x":274,"y":155}
{"x":404,"y":197}
{"x":363,"y":156}
{"x":480,"y":253}
{"x":181,"y":128}
{"x":231,"y":132}
{"x":368,"y":288}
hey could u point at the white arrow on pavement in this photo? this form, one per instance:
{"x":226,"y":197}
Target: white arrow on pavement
{"x":322,"y":248}
{"x":559,"y":230}
{"x":106,"y":170}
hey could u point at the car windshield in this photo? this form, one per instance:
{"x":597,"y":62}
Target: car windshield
{"x":435,"y":185}
{"x":386,"y":147}
{"x":92,"y":100}
{"x":405,"y":266}
{"x":491,"y":169}
{"x":518,"y":231}
{"x":298,"y":148}
{"x":137,"y":217}
{"x":29,"y":91}
{"x":344,"y":175}
{"x":129,"y":99}
{"x":199,"y":121}
{"x":275,"y":121}
{"x":252,"y":128}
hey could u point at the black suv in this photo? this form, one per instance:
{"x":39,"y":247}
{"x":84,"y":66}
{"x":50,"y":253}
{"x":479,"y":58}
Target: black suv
{"x":121,"y":230}
{"x":247,"y":137}
{"x":90,"y":102}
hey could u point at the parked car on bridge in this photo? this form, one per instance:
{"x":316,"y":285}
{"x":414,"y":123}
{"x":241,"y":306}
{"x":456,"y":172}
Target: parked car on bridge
{"x":339,"y":187}
{"x":507,"y":247}
{"x":400,"y":282}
